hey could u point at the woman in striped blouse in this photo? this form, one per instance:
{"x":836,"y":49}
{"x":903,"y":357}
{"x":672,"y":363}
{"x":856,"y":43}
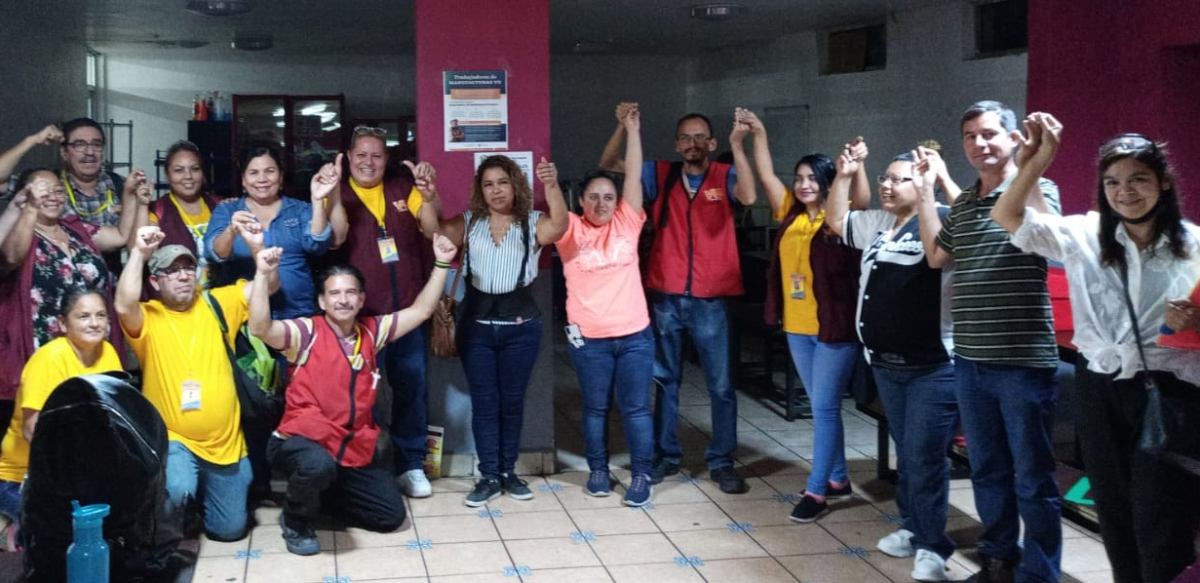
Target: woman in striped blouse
{"x":502,"y":237}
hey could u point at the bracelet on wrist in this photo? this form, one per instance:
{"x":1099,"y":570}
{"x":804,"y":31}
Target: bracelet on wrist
{"x":440,"y":263}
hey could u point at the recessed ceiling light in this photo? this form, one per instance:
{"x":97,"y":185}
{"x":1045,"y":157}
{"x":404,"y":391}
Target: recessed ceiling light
{"x":219,"y":7}
{"x":252,"y":43}
{"x":718,"y":11}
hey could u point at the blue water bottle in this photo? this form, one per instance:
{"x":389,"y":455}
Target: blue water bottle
{"x":87,"y":557}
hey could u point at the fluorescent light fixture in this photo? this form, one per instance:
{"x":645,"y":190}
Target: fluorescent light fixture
{"x":718,"y":11}
{"x":219,"y":7}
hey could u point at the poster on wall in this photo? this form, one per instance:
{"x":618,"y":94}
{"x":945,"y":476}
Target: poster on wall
{"x":524,"y":160}
{"x":476,"y":110}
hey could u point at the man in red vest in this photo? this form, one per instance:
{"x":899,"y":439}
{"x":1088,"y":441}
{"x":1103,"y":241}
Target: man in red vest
{"x":693,"y":268}
{"x":385,"y":242}
{"x":325,"y":443}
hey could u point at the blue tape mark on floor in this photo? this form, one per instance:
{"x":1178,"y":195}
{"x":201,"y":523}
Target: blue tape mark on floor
{"x":336,"y":580}
{"x":579,"y":537}
{"x":491,"y":513}
{"x":893,"y":519}
{"x":740,"y":527}
{"x":688,"y":479}
{"x":420,"y":544}
{"x":853,"y":552}
{"x":692,"y":561}
{"x":250,"y":554}
{"x":517,"y":570}
{"x":786,"y":498}
{"x":550,"y":487}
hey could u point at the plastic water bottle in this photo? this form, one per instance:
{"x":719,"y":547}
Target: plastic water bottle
{"x":87,"y":557}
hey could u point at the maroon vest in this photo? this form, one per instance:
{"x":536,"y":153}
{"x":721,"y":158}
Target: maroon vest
{"x":172,"y":225}
{"x":835,"y":282}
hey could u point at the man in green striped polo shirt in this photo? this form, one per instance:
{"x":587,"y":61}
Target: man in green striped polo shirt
{"x":1005,"y":356}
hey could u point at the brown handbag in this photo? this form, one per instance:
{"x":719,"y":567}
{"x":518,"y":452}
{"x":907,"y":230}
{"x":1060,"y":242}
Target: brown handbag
{"x":442,"y":326}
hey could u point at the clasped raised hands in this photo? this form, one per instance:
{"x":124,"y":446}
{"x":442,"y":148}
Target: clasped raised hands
{"x":1039,"y":145}
{"x":424,"y":178}
{"x":443,"y":248}
{"x":623,"y":110}
{"x":326,"y":180}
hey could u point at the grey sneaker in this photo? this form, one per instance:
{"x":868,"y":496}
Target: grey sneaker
{"x":485,"y":489}
{"x":301,"y":540}
{"x":517,"y":488}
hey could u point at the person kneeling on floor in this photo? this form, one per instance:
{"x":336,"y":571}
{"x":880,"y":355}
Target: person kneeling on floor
{"x":326,"y":441}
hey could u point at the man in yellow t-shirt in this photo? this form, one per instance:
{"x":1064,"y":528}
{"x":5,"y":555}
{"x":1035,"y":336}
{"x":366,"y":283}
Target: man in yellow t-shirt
{"x":188,"y":378}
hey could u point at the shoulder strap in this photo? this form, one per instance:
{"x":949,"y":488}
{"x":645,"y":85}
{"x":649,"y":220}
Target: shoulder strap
{"x":1137,"y":333}
{"x":217,"y":311}
{"x":525,"y":257}
{"x":674,"y":174}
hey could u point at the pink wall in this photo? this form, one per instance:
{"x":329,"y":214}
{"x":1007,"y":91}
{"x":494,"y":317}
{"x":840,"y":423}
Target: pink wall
{"x":1111,"y":66}
{"x":483,"y":35}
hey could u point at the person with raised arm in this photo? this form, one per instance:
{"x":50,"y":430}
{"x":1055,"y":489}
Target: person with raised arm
{"x":184,"y":213}
{"x":1137,"y":253}
{"x":327,"y":439}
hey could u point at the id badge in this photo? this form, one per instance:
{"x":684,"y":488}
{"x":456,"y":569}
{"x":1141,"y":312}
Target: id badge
{"x":387,"y":250}
{"x":574,"y":336}
{"x":190,"y":399}
{"x":797,"y":286}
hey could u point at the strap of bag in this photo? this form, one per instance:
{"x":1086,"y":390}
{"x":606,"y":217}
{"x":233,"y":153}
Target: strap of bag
{"x":1137,"y":333}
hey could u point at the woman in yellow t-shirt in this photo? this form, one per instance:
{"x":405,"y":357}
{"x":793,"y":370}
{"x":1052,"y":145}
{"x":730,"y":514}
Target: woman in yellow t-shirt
{"x":82,"y":351}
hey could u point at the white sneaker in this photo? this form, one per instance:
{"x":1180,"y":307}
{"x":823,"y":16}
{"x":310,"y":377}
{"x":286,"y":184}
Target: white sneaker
{"x":929,"y":566}
{"x":414,"y":484}
{"x":898,"y":544}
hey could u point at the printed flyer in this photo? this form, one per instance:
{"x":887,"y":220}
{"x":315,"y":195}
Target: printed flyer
{"x":476,"y":110}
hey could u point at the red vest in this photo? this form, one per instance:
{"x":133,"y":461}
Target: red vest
{"x":695,"y":253}
{"x":330,"y":403}
{"x":390,"y":286}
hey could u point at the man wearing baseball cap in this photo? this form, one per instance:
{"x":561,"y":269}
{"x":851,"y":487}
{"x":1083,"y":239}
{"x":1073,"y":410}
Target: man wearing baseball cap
{"x":187,"y":375}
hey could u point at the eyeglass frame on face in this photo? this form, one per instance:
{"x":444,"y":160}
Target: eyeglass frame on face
{"x":173,"y":272}
{"x":892,"y":180}
{"x":81,"y":146}
{"x":369,"y":131}
{"x":696,"y":139}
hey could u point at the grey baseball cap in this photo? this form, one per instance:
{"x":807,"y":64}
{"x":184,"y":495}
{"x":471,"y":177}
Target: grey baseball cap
{"x":165,"y":256}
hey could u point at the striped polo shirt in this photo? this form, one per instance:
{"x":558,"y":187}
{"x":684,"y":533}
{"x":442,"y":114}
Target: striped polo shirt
{"x":1001,"y":306}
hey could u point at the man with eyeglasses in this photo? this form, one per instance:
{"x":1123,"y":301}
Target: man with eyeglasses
{"x":694,"y":267}
{"x":187,"y":374}
{"x":385,"y":242}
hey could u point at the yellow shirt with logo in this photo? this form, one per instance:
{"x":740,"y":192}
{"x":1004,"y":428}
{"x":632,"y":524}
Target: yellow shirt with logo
{"x":52,"y":364}
{"x":178,"y":347}
{"x":795,"y":249}
{"x":373,"y":199}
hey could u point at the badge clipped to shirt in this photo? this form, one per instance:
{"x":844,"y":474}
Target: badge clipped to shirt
{"x":797,"y":286}
{"x":387,"y":250}
{"x":190,"y":398}
{"x":714,"y":194}
{"x":400,"y":205}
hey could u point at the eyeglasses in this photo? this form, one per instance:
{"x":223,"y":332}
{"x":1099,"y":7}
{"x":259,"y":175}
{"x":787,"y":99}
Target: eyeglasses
{"x":82,"y":146}
{"x":175,"y":272}
{"x":368,"y":130}
{"x":698,"y":138}
{"x":893,"y":180}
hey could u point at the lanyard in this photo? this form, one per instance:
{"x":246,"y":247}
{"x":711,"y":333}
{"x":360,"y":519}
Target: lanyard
{"x":356,"y":359}
{"x":191,"y":349}
{"x":71,"y":194}
{"x":183,"y":215}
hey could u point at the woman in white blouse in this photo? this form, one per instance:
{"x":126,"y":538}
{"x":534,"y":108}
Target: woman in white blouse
{"x":502,"y":330}
{"x":1149,"y":510}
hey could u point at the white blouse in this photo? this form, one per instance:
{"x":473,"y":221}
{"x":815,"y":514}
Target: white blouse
{"x":1102,"y":329}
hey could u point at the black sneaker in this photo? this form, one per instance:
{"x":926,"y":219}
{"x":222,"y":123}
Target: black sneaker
{"x":728,"y":480}
{"x":809,"y":509}
{"x":299,"y":536}
{"x":832,"y":493}
{"x":516,"y":487}
{"x":485,"y":489}
{"x":661,"y":469}
{"x":993,"y":570}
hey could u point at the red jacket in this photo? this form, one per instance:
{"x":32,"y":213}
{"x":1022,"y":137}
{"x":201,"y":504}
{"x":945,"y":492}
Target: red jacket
{"x":330,"y":403}
{"x":695,"y":246}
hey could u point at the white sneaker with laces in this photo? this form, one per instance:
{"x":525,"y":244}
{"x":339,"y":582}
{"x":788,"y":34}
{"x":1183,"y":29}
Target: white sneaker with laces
{"x":898,"y":544}
{"x":929,"y":566}
{"x":414,"y":484}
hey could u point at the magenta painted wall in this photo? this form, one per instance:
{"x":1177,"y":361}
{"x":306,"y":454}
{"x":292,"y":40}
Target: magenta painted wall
{"x":1110,"y":66}
{"x":483,"y":35}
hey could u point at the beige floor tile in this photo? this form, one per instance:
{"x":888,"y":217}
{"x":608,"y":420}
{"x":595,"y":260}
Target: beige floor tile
{"x":541,"y":501}
{"x":860,"y":534}
{"x":794,"y":437}
{"x":571,"y":575}
{"x":716,"y":544}
{"x":964,"y":500}
{"x":774,"y":467}
{"x":621,"y":520}
{"x":757,"y":512}
{"x":851,"y":510}
{"x":447,"y":504}
{"x":701,"y":516}
{"x":835,"y":568}
{"x":901,"y":569}
{"x":525,"y":525}
{"x":467,"y":558}
{"x":267,"y":515}
{"x":659,"y":573}
{"x":742,"y":570}
{"x":575,"y":497}
{"x":1084,"y":554}
{"x":759,"y":490}
{"x":377,"y":563}
{"x":964,"y":530}
{"x":456,"y":529}
{"x":634,"y":549}
{"x":452,"y":485}
{"x":357,"y":538}
{"x":551,"y":553}
{"x":787,"y":483}
{"x":212,"y":548}
{"x":219,"y":570}
{"x":269,"y":539}
{"x":289,"y":568}
{"x":674,"y":491}
{"x":796,"y":539}
{"x":474,"y":578}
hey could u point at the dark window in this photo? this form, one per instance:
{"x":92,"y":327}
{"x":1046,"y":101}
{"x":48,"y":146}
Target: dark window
{"x":856,"y":50}
{"x":1000,"y":28}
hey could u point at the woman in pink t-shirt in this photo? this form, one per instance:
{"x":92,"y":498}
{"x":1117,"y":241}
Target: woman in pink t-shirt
{"x":609,"y":334}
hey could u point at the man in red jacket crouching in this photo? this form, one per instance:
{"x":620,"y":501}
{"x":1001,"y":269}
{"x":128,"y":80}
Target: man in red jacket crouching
{"x":327,"y":438}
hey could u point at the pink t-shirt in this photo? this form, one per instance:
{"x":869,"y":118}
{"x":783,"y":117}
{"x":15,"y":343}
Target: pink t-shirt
{"x":604,"y":285}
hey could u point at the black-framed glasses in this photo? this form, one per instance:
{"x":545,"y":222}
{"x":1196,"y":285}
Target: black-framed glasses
{"x":176,"y":271}
{"x":369,"y":131}
{"x":893,"y":180}
{"x":83,"y":146}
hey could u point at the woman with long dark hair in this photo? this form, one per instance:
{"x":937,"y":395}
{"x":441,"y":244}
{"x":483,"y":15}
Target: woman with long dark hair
{"x":1135,"y":253}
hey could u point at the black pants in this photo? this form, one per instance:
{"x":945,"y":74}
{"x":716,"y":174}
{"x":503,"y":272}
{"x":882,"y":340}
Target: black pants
{"x":1149,"y":510}
{"x":366,"y":497}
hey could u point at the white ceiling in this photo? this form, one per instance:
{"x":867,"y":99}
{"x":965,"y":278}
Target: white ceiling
{"x":364,"y":27}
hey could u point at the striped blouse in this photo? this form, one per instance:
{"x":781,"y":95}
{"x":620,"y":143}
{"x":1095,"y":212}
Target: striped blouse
{"x":493,"y":267}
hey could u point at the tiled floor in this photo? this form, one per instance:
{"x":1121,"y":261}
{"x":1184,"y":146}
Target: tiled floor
{"x":692,"y":532}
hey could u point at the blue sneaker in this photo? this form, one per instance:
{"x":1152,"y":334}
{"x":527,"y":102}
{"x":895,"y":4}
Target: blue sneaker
{"x":598,"y":483}
{"x":300,"y":539}
{"x":639,"y":491}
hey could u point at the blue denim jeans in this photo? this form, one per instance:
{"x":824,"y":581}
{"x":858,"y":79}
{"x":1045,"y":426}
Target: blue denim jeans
{"x":498,"y":361}
{"x":223,"y":490}
{"x":624,"y":367}
{"x":825,"y":370}
{"x":10,"y":500}
{"x":706,"y":320}
{"x":1008,"y":420}
{"x":404,"y":361}
{"x":922,"y":416}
